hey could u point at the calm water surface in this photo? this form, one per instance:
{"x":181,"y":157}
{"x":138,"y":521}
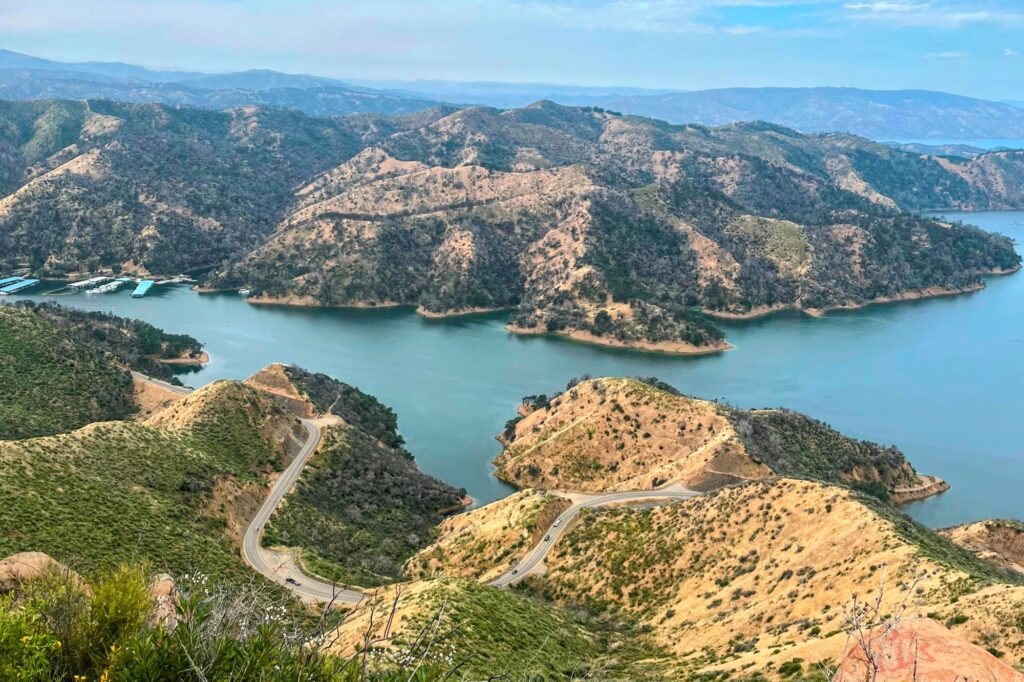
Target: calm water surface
{"x":943,"y":379}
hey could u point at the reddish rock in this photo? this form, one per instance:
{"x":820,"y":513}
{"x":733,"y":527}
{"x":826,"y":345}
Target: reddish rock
{"x":922,"y":650}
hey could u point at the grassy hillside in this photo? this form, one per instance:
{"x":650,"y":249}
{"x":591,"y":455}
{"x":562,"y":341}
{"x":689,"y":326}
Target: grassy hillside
{"x":619,"y":230}
{"x":115,"y":491}
{"x":62,"y":369}
{"x":51,"y":382}
{"x":999,"y":542}
{"x":485,"y":542}
{"x":622,"y":434}
{"x":755,"y":575}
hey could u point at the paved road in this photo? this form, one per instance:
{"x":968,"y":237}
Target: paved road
{"x":280,"y":568}
{"x":272,"y":565}
{"x":532,"y":560}
{"x":180,"y":390}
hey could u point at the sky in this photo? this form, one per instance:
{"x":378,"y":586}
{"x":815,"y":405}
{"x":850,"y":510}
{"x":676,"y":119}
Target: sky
{"x":971,"y":47}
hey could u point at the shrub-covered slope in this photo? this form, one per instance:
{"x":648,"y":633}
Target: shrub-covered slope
{"x":623,"y":434}
{"x":358,"y":409}
{"x":495,"y":634}
{"x":150,"y":187}
{"x":61,"y":369}
{"x":361,"y":506}
{"x":47,"y":379}
{"x":115,"y":491}
{"x":485,"y":542}
{"x":752,"y":576}
{"x":615,"y":229}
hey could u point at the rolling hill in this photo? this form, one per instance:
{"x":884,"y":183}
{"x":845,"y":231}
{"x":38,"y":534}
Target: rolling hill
{"x":628,"y":434}
{"x":610,"y":229}
{"x":617,"y":230}
{"x":63,"y":369}
{"x":877,"y":114}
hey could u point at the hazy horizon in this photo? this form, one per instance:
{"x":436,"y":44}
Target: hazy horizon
{"x":966,"y":47}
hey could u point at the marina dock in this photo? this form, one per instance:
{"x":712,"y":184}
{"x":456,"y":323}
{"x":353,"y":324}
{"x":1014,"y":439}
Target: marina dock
{"x":111,"y":286}
{"x":143,"y":288}
{"x":18,"y":286}
{"x":87,"y":283}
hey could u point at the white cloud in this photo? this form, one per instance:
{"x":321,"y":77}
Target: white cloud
{"x":947,"y":55}
{"x":948,"y":14}
{"x":1010,"y":53}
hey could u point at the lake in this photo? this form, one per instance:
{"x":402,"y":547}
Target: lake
{"x":980,"y":143}
{"x":943,"y":379}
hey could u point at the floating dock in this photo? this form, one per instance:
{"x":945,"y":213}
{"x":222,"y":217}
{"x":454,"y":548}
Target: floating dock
{"x":87,"y":283}
{"x":143,"y":288}
{"x":18,"y":286}
{"x":109,"y":286}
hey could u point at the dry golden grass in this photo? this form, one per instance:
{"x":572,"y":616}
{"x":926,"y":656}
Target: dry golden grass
{"x":621,"y":434}
{"x":485,"y":542}
{"x":757,"y":574}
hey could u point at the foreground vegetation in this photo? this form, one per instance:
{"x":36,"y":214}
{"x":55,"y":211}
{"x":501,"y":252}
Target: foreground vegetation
{"x":493,"y":634}
{"x":55,"y":628}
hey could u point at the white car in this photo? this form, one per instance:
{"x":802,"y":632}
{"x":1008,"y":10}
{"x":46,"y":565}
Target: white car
{"x":557,"y":523}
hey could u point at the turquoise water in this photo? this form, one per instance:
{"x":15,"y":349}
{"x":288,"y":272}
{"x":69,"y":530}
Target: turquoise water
{"x":981,"y":144}
{"x":942,"y":379}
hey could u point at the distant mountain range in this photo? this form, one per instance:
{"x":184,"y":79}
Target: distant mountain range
{"x":29,"y":78}
{"x":882,"y":115}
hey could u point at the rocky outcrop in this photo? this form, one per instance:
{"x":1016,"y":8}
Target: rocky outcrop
{"x":26,"y":566}
{"x":999,"y":542}
{"x":920,"y":649}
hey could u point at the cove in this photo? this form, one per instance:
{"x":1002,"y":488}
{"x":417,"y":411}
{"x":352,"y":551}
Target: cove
{"x":942,"y":379}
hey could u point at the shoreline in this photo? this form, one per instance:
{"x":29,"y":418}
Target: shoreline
{"x":467,"y":312}
{"x":930,"y":487}
{"x":760,"y":311}
{"x":903,"y":297}
{"x":916,"y":295}
{"x":667,"y":347}
{"x":306,"y":302}
{"x":199,"y":361}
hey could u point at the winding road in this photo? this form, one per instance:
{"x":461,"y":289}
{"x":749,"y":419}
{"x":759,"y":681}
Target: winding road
{"x":282,"y":569}
{"x":535,"y":557}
